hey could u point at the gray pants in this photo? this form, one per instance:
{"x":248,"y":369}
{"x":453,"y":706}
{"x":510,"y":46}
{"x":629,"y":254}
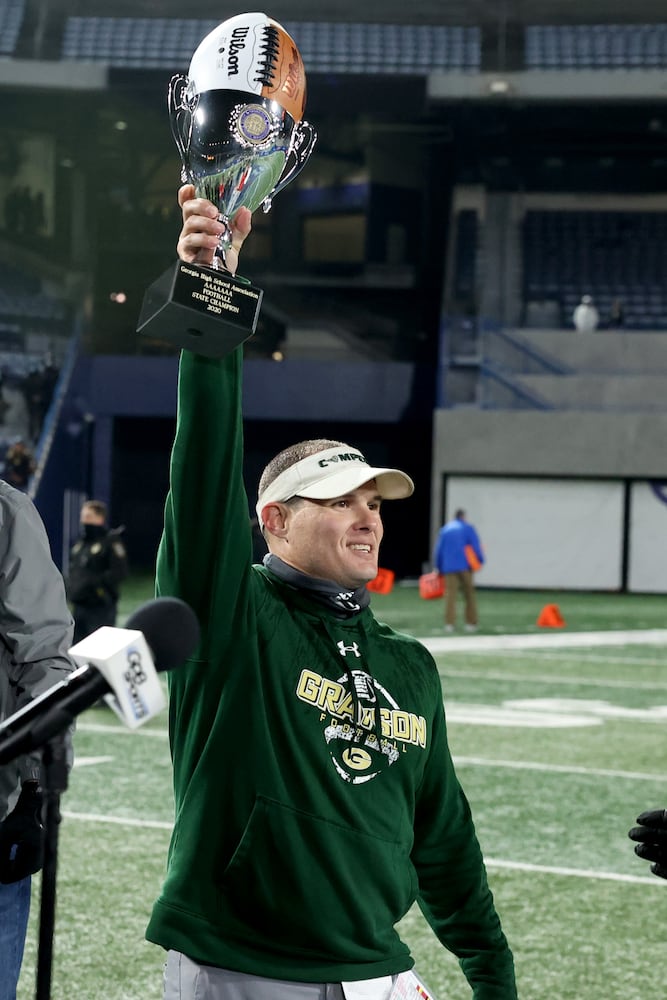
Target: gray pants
{"x":186,"y":980}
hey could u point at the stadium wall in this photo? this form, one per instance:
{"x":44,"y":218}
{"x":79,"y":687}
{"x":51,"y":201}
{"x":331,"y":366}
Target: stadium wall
{"x":566,"y":500}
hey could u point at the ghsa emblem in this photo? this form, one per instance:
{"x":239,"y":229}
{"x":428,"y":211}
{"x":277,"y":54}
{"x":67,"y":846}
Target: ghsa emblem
{"x":253,"y":125}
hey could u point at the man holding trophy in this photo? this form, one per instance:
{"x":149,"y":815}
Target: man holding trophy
{"x":237,"y":121}
{"x":315,"y":795}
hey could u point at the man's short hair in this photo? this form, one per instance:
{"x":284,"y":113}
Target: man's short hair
{"x":460,"y":514}
{"x":290,"y":456}
{"x":97,"y":507}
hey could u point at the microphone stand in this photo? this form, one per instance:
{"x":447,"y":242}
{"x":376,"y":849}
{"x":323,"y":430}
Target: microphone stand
{"x":54,"y":782}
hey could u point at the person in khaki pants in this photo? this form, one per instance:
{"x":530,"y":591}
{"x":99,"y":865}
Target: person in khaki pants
{"x":458,"y":553}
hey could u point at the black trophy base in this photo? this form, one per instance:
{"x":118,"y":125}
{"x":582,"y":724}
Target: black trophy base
{"x":199,"y":309}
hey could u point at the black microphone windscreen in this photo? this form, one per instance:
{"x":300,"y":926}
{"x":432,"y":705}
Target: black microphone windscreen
{"x":170,"y":628}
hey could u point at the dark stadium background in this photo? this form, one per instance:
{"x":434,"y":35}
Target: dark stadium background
{"x":362,"y":241}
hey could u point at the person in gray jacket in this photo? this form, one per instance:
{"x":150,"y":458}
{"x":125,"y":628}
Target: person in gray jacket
{"x":35,"y":634}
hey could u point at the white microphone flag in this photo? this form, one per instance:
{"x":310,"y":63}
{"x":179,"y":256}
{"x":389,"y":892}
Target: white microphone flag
{"x":125,"y":661}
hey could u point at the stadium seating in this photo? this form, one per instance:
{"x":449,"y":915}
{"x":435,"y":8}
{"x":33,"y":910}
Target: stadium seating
{"x":356,"y":48}
{"x":33,"y":324}
{"x":609,"y":255}
{"x":325,"y":46}
{"x":11,"y":18}
{"x":21,"y":297}
{"x":595,"y":46}
{"x":133,"y":41}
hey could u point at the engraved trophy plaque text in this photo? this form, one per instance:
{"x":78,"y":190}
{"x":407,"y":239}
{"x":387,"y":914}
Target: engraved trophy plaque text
{"x":237,"y":122}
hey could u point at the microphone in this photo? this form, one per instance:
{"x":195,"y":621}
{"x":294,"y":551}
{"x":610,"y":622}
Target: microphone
{"x":117,"y":663}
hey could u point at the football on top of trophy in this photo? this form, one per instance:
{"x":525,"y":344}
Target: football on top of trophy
{"x":254,"y":54}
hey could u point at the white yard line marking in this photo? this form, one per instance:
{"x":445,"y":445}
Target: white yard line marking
{"x":87,"y":761}
{"x":551,"y":679}
{"x":544,"y":640}
{"x":576,"y":872}
{"x":153,"y":824}
{"x":520,"y":765}
{"x":98,"y":727}
{"x":549,"y":713}
{"x":490,"y":862}
{"x":585,"y":656}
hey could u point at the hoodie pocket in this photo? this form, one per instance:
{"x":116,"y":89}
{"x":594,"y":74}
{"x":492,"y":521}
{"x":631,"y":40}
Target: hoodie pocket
{"x":315,"y":886}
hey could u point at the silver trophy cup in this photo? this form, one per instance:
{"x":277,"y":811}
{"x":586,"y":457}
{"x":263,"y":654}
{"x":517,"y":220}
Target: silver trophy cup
{"x":236,"y":119}
{"x":238,"y":150}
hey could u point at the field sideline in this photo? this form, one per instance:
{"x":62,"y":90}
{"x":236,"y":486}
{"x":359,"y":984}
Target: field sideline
{"x":558,"y":738}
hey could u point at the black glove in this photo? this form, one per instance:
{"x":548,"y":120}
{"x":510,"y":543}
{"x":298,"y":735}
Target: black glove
{"x":651,"y":835}
{"x":22,"y":836}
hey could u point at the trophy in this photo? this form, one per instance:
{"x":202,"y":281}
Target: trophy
{"x":237,"y":122}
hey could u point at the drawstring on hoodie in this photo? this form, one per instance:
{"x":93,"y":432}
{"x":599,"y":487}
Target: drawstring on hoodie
{"x":359,"y":732}
{"x":345,"y":605}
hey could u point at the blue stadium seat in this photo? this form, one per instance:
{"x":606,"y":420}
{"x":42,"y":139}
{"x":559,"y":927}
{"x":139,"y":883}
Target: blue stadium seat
{"x":325,"y":46}
{"x":12,"y":13}
{"x":597,"y":46}
{"x":607,"y":254}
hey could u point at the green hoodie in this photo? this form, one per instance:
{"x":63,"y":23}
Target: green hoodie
{"x":315,"y":794}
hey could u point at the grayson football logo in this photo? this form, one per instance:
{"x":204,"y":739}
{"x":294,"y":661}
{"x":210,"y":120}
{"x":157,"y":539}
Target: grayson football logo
{"x":359,"y":752}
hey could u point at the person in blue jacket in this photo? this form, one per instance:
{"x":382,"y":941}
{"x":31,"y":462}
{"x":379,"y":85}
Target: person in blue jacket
{"x":458,"y":552}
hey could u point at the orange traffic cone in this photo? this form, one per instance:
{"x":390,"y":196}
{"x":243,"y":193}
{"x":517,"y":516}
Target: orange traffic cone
{"x":383,"y":582}
{"x":550,"y":617}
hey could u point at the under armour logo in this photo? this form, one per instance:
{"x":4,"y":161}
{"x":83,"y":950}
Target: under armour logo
{"x":344,"y":650}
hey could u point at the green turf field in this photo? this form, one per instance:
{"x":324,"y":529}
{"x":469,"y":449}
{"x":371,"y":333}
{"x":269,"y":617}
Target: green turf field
{"x":500,"y":611}
{"x":558,"y":749}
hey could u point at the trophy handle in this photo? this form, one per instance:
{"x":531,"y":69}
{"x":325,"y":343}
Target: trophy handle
{"x":180,"y":116}
{"x":303,"y":140}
